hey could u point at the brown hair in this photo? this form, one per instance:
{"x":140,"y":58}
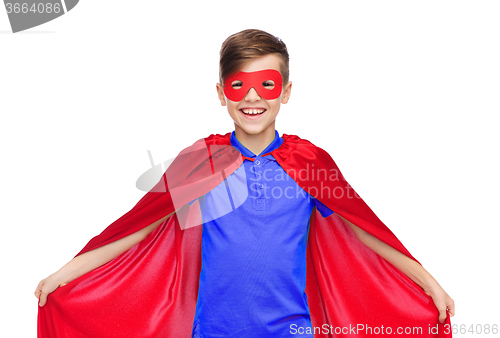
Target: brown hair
{"x":247,"y":45}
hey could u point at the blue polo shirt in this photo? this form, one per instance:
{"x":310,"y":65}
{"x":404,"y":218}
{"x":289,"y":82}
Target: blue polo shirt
{"x":253,"y":275}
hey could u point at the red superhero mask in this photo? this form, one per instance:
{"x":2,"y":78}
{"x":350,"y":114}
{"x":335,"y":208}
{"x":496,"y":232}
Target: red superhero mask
{"x":259,"y":80}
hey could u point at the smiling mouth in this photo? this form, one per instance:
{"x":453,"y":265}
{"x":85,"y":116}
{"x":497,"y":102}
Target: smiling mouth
{"x":253,"y":112}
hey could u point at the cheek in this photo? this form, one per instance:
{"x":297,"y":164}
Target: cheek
{"x":232,"y":103}
{"x":232,"y":106}
{"x":274,"y":104}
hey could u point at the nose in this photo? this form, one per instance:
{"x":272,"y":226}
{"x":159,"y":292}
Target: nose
{"x":252,"y":95}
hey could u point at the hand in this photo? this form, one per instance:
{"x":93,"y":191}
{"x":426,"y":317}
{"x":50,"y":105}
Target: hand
{"x":441,"y":300}
{"x":46,"y":286}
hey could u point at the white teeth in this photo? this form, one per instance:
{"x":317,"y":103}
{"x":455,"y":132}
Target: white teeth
{"x":253,"y":111}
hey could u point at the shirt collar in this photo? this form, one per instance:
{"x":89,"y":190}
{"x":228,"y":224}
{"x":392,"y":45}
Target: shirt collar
{"x":276,"y":142}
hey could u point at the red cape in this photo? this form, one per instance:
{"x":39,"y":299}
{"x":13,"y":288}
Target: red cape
{"x":151,"y":289}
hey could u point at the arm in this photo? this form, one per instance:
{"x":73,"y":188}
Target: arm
{"x":410,"y":268}
{"x":91,"y":260}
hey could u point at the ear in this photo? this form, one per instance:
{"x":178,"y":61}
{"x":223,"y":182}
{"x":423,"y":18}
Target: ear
{"x":220,"y":94}
{"x":287,"y":91}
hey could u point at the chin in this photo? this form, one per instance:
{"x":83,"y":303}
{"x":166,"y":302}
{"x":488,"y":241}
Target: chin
{"x":252,"y":131}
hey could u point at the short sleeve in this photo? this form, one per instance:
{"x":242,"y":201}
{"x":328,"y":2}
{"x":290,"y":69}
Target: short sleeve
{"x":323,"y":209}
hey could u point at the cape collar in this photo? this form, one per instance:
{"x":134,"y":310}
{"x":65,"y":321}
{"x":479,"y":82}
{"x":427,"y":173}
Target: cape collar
{"x":275,"y":144}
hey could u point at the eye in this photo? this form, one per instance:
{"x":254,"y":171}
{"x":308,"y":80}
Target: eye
{"x":236,"y":84}
{"x":269,"y":84}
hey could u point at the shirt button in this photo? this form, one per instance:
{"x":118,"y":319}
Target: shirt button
{"x":257,"y":162}
{"x":261,"y":185}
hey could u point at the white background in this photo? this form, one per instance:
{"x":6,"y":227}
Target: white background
{"x":403,"y":95}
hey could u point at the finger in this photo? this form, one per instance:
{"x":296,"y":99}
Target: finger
{"x":38,"y":290}
{"x":442,"y":315}
{"x":451,"y":307}
{"x":43,"y":299}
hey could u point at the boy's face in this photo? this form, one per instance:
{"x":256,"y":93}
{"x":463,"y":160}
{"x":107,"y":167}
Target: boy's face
{"x":266,"y":110}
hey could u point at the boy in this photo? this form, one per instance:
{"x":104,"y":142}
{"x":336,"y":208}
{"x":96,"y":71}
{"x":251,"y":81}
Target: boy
{"x":259,"y":215}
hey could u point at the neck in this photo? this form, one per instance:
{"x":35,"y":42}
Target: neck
{"x":256,"y":143}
